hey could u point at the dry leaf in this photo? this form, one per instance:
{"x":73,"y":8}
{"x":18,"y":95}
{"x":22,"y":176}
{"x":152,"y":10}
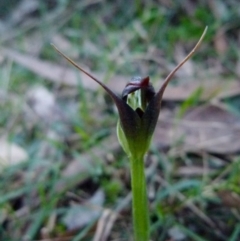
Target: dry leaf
{"x":220,"y":41}
{"x":209,"y":128}
{"x":81,"y":215}
{"x":42,"y":102}
{"x":176,"y":234}
{"x":229,"y":198}
{"x":11,"y":154}
{"x":105,"y":224}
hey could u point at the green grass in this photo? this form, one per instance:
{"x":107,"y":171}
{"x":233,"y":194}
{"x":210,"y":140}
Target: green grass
{"x":113,"y":38}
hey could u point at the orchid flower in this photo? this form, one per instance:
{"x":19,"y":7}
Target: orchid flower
{"x":138,"y":107}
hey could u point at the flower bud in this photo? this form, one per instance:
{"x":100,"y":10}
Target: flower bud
{"x":138,"y":108}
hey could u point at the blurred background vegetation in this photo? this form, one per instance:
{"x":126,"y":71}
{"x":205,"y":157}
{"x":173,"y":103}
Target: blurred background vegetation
{"x":63,"y":175}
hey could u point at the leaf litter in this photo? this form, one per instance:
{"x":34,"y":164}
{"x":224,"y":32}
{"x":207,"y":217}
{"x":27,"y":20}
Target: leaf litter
{"x":80,"y":215}
{"x":210,"y":128}
{"x":11,"y":154}
{"x":201,"y":144}
{"x":65,"y":75}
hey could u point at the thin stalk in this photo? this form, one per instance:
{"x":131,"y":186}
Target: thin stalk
{"x":139,"y":200}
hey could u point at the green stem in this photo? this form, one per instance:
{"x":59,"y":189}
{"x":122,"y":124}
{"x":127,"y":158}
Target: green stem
{"x":139,"y":200}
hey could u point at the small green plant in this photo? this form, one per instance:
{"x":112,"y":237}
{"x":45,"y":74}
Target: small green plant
{"x":139,"y":109}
